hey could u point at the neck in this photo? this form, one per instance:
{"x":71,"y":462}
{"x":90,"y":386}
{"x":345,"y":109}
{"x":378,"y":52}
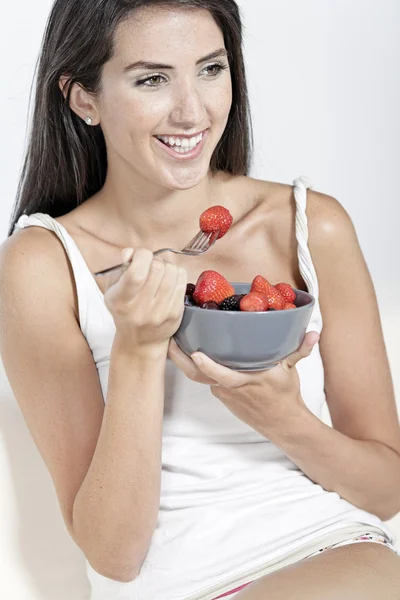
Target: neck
{"x":145,"y":214}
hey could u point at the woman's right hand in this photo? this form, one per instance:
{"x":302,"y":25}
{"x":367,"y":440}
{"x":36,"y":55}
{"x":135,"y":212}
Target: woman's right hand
{"x":147,"y":302}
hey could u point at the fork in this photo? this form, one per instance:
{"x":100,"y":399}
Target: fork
{"x":201,"y":243}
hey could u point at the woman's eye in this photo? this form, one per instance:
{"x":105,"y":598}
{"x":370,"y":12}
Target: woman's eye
{"x":214,"y":70}
{"x":153,"y":81}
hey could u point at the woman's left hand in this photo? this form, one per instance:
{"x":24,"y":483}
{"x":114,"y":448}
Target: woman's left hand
{"x":262,"y":399}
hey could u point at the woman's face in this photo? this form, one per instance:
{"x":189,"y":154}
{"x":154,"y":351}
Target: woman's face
{"x":166,"y":95}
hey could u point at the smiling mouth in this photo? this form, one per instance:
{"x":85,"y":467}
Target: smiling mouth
{"x":181,"y":145}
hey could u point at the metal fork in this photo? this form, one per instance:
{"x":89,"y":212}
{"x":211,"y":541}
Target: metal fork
{"x":201,"y":243}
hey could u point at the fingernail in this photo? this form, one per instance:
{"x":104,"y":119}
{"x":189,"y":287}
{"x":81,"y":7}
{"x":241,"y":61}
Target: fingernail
{"x":196,"y":358}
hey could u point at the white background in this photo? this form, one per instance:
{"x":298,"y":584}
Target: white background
{"x":325,"y":93}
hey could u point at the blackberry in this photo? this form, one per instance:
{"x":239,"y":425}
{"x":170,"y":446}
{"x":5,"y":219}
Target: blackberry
{"x":190,"y":289}
{"x":232,"y":303}
{"x":189,"y":301}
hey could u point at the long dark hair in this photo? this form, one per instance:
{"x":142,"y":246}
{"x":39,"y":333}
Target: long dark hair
{"x":66,"y":161}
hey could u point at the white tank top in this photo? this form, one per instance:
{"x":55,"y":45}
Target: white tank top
{"x":231,"y":501}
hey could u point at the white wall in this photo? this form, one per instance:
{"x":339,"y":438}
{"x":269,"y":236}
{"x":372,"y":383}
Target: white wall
{"x":325,"y":87}
{"x":325,"y":93}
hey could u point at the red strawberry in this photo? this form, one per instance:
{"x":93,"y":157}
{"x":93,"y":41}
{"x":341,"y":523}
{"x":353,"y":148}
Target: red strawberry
{"x":275,"y":300}
{"x":214,"y":219}
{"x":254,"y":302}
{"x":212,"y":287}
{"x":286,"y":291}
{"x":288,"y":306}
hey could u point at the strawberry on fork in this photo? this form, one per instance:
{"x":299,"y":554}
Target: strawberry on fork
{"x":216,"y":218}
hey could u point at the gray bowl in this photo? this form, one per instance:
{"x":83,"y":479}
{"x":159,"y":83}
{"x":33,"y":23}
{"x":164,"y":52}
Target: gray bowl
{"x":245,"y":341}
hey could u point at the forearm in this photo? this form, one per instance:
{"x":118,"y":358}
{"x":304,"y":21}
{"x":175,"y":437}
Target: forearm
{"x":366,"y":473}
{"x":116,"y":508}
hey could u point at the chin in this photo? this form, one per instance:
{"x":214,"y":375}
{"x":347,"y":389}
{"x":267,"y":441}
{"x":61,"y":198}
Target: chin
{"x":185,"y":181}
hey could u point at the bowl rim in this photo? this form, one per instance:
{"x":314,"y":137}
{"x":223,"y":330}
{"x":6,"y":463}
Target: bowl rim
{"x":258,"y":312}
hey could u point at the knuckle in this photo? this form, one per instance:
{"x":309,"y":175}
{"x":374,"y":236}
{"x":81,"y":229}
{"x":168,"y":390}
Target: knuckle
{"x":143,"y":254}
{"x":157,"y":266}
{"x":170,"y":270}
{"x":136,"y":276}
{"x":158,"y":320}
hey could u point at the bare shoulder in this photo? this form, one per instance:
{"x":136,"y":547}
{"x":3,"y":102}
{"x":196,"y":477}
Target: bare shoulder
{"x":33,"y":261}
{"x":328,"y":220}
{"x":334,"y":243}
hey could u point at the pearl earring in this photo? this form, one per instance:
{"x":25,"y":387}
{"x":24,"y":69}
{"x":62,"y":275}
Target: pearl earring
{"x":88,"y":120}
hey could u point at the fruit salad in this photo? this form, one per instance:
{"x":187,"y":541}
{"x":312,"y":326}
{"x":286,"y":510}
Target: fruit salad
{"x":213,"y":292}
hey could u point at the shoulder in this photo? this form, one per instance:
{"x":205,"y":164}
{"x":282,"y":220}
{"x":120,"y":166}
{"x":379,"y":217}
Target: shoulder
{"x":327,"y":217}
{"x":332,"y":235}
{"x":264,"y":197}
{"x":33,"y":263}
{"x":328,"y":221}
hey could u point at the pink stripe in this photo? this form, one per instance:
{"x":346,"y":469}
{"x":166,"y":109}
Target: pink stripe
{"x":233,"y":591}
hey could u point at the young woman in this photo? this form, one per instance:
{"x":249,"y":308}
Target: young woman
{"x":178,"y":478}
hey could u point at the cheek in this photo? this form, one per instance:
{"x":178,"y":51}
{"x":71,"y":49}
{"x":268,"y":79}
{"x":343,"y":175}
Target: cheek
{"x":221,"y":103}
{"x":129,"y":113}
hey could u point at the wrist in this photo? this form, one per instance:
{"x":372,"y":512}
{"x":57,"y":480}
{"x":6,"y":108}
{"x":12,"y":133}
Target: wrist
{"x":291,"y":424}
{"x":144,"y":352}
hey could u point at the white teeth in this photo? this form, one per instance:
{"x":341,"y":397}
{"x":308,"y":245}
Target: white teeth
{"x":181,"y":145}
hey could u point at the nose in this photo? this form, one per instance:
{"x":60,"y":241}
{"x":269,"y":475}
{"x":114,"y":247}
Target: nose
{"x":189,"y":108}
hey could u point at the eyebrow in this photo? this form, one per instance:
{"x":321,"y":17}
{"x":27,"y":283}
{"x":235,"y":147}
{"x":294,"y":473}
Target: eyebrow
{"x":142,"y":64}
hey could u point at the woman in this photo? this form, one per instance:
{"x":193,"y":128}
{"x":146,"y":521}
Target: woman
{"x":179,"y":478}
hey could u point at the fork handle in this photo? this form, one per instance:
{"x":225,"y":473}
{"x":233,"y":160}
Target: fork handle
{"x":126,"y":264}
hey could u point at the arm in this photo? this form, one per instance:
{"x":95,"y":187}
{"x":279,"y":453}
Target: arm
{"x":360,"y":457}
{"x":105,"y":463}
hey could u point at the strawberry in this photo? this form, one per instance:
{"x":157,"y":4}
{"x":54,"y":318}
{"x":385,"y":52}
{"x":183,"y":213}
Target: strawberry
{"x":288,"y":306}
{"x":212,"y":287}
{"x":254,"y":302}
{"x":216,"y":218}
{"x":286,"y":291}
{"x":275,"y":300}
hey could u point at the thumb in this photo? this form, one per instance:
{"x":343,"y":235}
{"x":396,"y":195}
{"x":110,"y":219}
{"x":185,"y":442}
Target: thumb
{"x":127,"y":254}
{"x":222,"y":375}
{"x":310,"y":340}
{"x":112,"y":279}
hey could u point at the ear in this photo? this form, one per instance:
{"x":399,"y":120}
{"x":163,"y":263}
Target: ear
{"x":80,"y":101}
